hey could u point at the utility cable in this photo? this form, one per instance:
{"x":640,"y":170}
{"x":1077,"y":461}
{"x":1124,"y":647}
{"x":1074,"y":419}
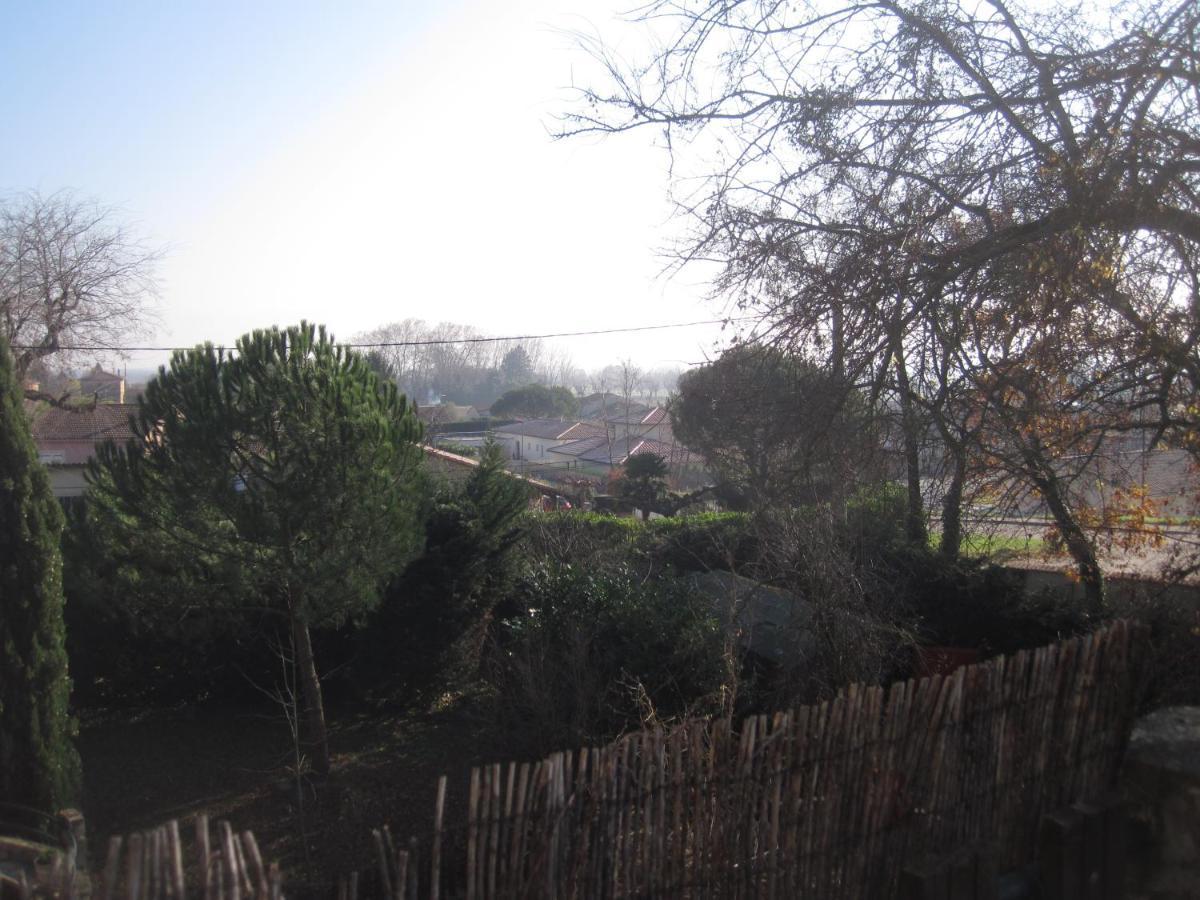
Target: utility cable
{"x":378,"y":345}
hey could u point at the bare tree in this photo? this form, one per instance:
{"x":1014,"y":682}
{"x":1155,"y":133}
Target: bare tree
{"x":631,"y":382}
{"x":878,"y":179}
{"x":73,"y":281}
{"x":460,"y":362}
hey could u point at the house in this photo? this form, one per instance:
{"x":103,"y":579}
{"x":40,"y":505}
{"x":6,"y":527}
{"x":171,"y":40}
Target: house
{"x":107,"y":387}
{"x":458,"y":468}
{"x":533,"y":439}
{"x":602,"y":456}
{"x":647,"y":422}
{"x":601,"y":406}
{"x":67,"y":437}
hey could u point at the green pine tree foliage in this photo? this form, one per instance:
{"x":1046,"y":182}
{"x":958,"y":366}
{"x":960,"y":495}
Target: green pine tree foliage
{"x":288,"y":461}
{"x":39,"y":767}
{"x":430,"y":630}
{"x":644,"y":482}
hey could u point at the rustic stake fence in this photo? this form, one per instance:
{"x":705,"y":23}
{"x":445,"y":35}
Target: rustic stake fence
{"x":825,"y":801}
{"x":149,"y":865}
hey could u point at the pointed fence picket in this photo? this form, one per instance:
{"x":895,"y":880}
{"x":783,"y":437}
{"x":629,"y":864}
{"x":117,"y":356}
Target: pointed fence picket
{"x":825,"y":801}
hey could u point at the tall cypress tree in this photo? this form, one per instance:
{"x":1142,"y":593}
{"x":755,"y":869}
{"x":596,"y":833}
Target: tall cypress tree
{"x":38,"y":763}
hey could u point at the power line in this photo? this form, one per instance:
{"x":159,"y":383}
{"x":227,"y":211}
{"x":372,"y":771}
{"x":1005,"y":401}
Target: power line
{"x":429,"y":343}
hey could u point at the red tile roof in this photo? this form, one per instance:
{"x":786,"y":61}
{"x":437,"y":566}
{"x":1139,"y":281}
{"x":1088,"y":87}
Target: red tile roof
{"x":654,"y":417}
{"x":83,"y":423}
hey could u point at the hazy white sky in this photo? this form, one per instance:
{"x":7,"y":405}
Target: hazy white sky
{"x":352,"y":163}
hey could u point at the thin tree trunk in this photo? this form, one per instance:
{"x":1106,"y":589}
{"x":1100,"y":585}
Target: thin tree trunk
{"x":314,"y":707}
{"x":914,"y":519}
{"x":1081,"y":548}
{"x":837,"y":340}
{"x":951,"y":544}
{"x":1078,"y":544}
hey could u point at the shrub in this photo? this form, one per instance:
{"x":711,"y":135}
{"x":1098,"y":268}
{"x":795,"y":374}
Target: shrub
{"x":702,"y":542}
{"x":849,"y":622}
{"x":874,"y":520}
{"x":430,"y":628}
{"x":668,"y":545}
{"x":567,"y":538}
{"x":598,"y":653}
{"x":128,"y":648}
{"x":1169,"y":659}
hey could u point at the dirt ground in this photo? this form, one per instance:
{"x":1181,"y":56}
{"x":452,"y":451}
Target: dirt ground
{"x":1175,"y":561}
{"x":143,"y":769}
{"x":1175,"y":558}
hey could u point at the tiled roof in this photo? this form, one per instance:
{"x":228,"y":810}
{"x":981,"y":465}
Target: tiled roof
{"x":100,"y":376}
{"x":95,"y":423}
{"x":654,"y":417}
{"x":579,"y":447}
{"x":666,"y":451}
{"x":620,"y":450}
{"x":609,"y":405}
{"x":552,"y":429}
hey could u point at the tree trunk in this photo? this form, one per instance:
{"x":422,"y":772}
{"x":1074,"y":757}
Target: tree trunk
{"x":314,"y":708}
{"x":837,"y":340}
{"x":951,"y":544}
{"x":914,"y":519}
{"x":1080,"y":548}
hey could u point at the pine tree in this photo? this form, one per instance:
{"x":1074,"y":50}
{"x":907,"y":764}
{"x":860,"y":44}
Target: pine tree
{"x":38,"y":763}
{"x":288,"y":461}
{"x":644,"y":482}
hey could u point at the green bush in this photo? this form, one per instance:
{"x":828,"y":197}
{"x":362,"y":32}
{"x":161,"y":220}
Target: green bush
{"x":429,"y":631}
{"x":129,"y":649}
{"x":874,"y":520}
{"x":701,"y":543}
{"x":971,"y":604}
{"x":668,"y":545}
{"x":595,"y":654}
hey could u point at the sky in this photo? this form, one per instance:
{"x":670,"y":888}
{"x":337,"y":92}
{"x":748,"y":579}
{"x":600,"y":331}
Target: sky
{"x":354,"y":164}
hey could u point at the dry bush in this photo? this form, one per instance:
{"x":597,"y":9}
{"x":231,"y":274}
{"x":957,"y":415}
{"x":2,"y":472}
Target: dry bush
{"x":846,"y":626}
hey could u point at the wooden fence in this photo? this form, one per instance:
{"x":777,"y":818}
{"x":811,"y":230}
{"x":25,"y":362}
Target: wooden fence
{"x":153,"y":865}
{"x":826,"y":801}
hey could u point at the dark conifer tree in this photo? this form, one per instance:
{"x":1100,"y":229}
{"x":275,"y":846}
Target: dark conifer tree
{"x":430,"y":631}
{"x":38,"y":763}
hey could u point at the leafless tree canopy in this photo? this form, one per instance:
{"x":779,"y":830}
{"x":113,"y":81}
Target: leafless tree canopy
{"x":936,"y":135}
{"x":70,"y":277}
{"x":431,"y":360}
{"x":986,"y":211}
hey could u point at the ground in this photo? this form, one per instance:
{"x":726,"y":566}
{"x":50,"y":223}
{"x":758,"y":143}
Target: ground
{"x":232,"y":763}
{"x":1022,"y":544}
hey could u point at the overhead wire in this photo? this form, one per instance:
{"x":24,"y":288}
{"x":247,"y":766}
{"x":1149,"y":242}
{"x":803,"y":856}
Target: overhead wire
{"x":433,"y":342}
